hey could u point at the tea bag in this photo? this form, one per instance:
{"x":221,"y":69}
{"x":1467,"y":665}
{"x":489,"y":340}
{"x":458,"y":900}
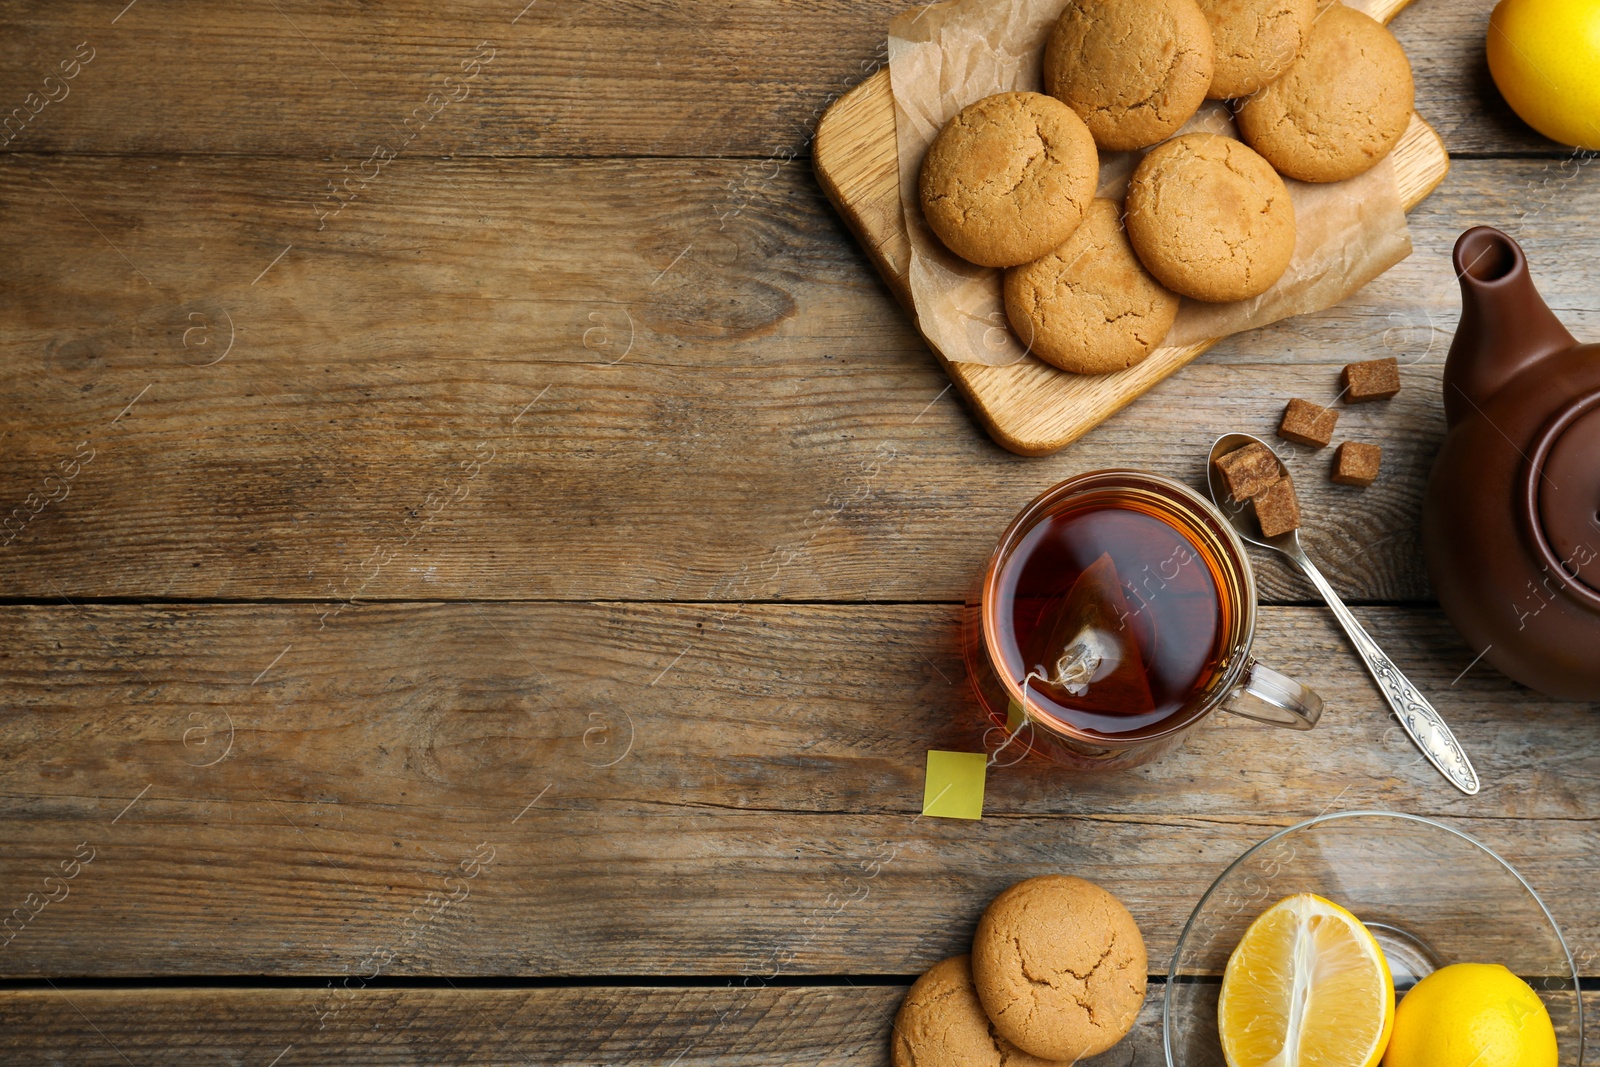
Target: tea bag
{"x":1087,"y":652}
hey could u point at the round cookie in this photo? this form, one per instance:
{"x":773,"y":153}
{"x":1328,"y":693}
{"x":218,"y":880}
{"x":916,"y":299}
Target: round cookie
{"x":1060,"y":967}
{"x":1090,"y":306}
{"x":1340,"y":107}
{"x":941,"y":1024}
{"x":1256,"y":40}
{"x":1008,"y":178}
{"x":1135,"y":72}
{"x":1210,"y":218}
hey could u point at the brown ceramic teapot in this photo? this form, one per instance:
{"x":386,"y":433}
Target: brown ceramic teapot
{"x":1511,"y":520}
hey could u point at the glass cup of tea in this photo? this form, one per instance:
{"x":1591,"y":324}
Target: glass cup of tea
{"x":1116,"y":613}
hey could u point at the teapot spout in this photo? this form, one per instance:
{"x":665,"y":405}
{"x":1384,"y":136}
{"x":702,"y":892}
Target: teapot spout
{"x":1505,"y":327}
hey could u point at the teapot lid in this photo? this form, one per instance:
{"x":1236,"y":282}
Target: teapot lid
{"x":1563,"y":489}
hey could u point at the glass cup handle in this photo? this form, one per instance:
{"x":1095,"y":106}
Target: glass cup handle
{"x":1267,"y":696}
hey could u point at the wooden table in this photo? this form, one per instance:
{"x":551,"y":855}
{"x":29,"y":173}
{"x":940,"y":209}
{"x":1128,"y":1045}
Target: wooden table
{"x":509,"y":573}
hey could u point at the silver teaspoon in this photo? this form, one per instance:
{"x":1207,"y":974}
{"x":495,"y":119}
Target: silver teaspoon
{"x":1416,"y":715}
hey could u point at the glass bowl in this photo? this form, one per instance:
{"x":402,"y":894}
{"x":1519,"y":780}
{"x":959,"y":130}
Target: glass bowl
{"x":1431,"y":895}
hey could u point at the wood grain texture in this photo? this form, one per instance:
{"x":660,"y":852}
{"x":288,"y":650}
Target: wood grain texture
{"x":659,"y":789}
{"x":580,"y":337}
{"x":687,"y":78}
{"x":829,"y":1027}
{"x":732,"y":451}
{"x":710,"y":1027}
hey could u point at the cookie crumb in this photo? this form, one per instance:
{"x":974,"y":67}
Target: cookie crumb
{"x":1277,"y":508}
{"x":1356,"y":464}
{"x":1249,"y":470}
{"x":1306,"y":423}
{"x":1376,"y":379}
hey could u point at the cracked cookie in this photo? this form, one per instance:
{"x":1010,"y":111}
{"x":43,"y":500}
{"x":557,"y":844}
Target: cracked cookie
{"x":1008,"y":178}
{"x":1210,"y":218}
{"x":1059,"y":965}
{"x":1340,"y":107}
{"x":1135,"y":72}
{"x":1256,"y":40}
{"x":941,"y":1024}
{"x":1090,"y":307}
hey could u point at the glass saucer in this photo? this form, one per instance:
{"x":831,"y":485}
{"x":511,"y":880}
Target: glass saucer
{"x":1431,"y":896}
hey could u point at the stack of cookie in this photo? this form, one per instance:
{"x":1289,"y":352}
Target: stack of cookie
{"x":1057,"y":973}
{"x":1092,"y":286}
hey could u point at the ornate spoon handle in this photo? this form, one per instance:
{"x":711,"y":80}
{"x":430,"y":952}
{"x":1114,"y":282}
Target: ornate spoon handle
{"x":1416,"y":715}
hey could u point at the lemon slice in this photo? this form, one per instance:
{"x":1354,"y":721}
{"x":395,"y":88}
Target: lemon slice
{"x":1307,"y":986}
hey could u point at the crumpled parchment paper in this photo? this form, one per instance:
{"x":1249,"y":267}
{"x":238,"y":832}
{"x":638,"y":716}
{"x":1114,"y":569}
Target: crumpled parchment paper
{"x":945,"y":56}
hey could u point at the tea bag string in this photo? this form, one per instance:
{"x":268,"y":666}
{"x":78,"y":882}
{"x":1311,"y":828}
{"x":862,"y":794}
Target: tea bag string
{"x":1021,"y":726}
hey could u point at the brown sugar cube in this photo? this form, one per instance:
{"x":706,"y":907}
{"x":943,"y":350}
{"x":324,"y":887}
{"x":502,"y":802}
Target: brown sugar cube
{"x":1376,"y":379}
{"x":1356,"y":464}
{"x":1305,"y":423}
{"x":1248,"y":470}
{"x":1277,"y":510}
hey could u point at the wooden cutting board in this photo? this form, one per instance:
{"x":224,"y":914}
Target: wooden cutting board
{"x":1030,"y":407}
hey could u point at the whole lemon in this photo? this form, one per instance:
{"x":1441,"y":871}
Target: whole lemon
{"x":1545,"y":57}
{"x":1476,"y":1014}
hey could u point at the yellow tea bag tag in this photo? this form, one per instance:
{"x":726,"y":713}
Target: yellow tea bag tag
{"x":954,"y":785}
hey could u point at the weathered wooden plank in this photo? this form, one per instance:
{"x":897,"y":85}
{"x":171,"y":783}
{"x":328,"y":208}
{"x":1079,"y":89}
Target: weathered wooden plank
{"x":674,"y":410}
{"x":603,"y":1024}
{"x":836,"y":1026}
{"x":845,"y":1025}
{"x":832,"y":1026}
{"x":689,"y":77}
{"x":647,"y":789}
{"x":708,"y":1027}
